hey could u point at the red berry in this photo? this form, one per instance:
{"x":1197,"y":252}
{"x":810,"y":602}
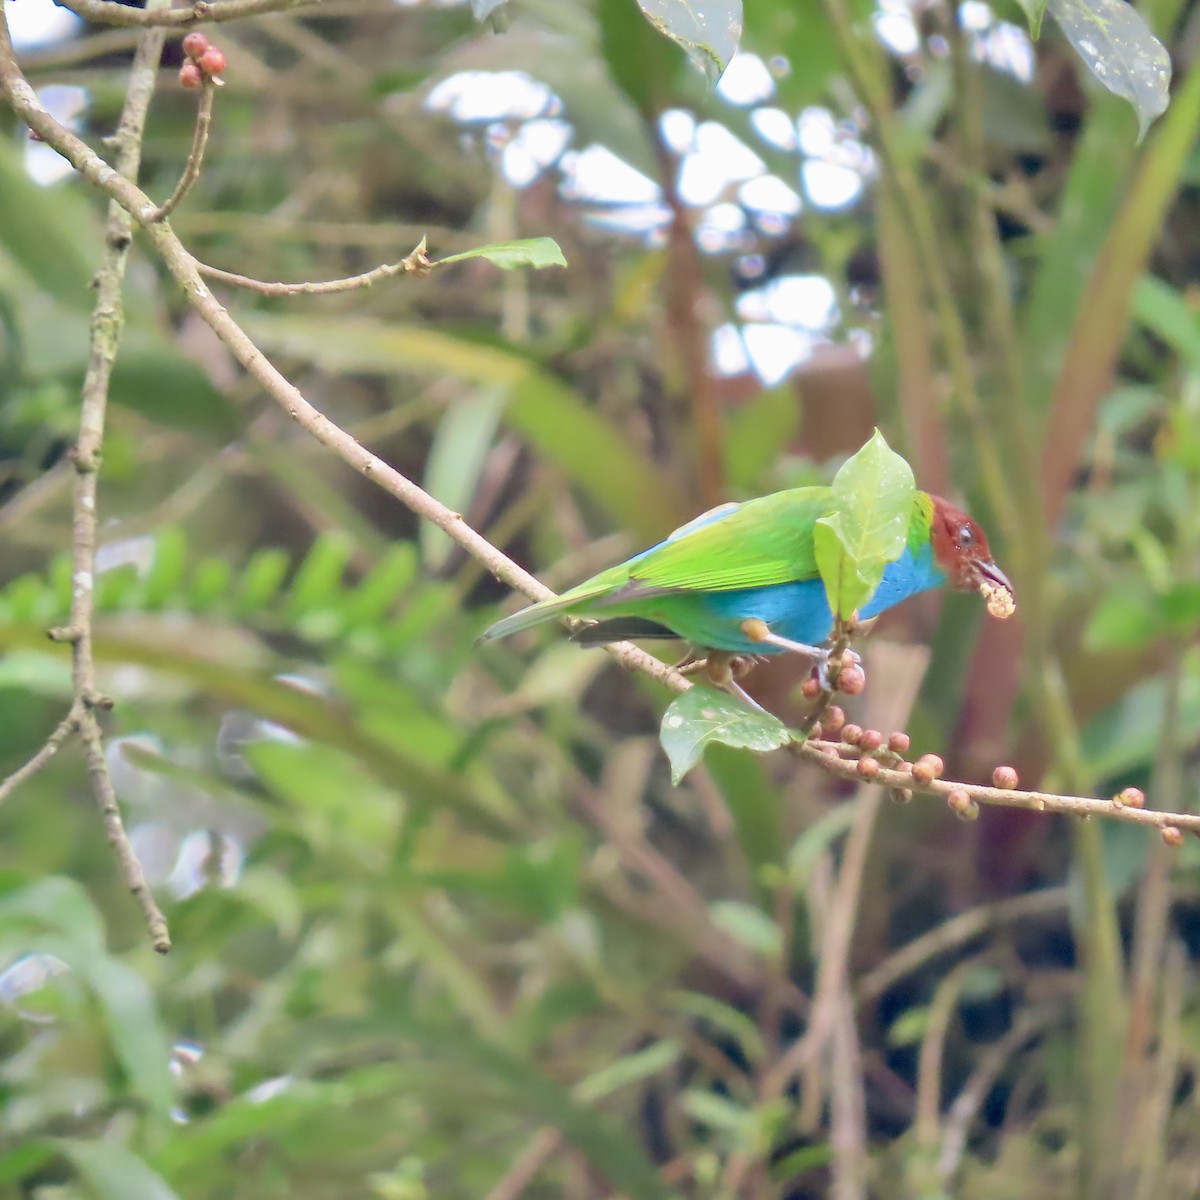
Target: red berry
{"x":851,"y":734}
{"x":1172,"y":835}
{"x":810,"y":689}
{"x":816,"y":733}
{"x":868,"y":768}
{"x":833,"y":718}
{"x":1131,"y":797}
{"x":1005,"y":777}
{"x":212,"y":61}
{"x":899,"y":743}
{"x":189,"y":76}
{"x":851,"y":680}
{"x":871,"y":740}
{"x":195,"y":44}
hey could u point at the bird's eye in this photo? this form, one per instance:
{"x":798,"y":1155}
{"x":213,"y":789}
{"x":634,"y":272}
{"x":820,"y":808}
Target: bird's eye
{"x":966,"y":536}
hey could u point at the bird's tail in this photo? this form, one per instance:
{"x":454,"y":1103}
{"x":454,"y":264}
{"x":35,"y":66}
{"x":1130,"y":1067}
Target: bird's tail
{"x":535,"y":614}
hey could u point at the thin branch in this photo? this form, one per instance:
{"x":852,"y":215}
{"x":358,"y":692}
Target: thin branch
{"x":954,"y":933}
{"x":66,"y":727}
{"x":415,"y":263}
{"x":109,"y":12}
{"x":962,"y":1112}
{"x":829,"y":755}
{"x":195,"y":159}
{"x":527,"y":1164}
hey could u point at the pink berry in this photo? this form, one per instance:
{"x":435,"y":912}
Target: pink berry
{"x":212,"y":61}
{"x":851,"y":680}
{"x":833,"y":718}
{"x":851,"y":734}
{"x":810,"y":689}
{"x":927,"y":768}
{"x":899,"y":743}
{"x":189,"y":76}
{"x":195,"y":44}
{"x":1172,"y":835}
{"x":1005,"y":777}
{"x":871,"y":740}
{"x":1130,"y":797}
{"x":868,"y":768}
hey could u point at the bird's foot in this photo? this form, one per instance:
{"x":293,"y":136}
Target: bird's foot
{"x":760,"y":631}
{"x":725,"y":669}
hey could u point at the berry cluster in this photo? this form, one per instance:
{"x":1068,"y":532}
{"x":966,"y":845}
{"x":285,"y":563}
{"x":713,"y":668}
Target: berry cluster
{"x":204,"y":60}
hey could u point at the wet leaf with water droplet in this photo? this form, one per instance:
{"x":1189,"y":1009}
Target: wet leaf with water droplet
{"x":709,"y":30}
{"x":703,"y":715}
{"x":1112,"y":37}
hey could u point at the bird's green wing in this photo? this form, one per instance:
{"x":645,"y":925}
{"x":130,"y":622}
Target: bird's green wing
{"x":756,"y":544}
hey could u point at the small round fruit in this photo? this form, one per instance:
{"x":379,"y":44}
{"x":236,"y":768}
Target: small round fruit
{"x":1005,"y":777}
{"x":868,"y":768}
{"x":190,"y":77}
{"x":212,"y":62}
{"x":195,"y":44}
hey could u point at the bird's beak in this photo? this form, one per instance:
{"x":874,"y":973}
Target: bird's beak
{"x":992,"y":573}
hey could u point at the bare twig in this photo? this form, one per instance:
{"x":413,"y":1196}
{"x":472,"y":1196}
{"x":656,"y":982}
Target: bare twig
{"x":526,"y":1165}
{"x":107,"y":320}
{"x":416,"y":262}
{"x":954,"y":933}
{"x":962,"y":1112}
{"x":195,"y":159}
{"x":66,"y":727}
{"x":109,"y":12}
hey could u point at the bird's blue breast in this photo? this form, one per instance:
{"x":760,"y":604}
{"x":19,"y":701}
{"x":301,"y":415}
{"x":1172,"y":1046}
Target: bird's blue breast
{"x":798,"y":611}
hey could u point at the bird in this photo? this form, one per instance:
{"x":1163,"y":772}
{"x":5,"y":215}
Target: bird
{"x":741,"y":581}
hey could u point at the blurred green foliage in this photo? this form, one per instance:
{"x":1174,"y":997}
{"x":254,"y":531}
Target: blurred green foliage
{"x":442,"y":925}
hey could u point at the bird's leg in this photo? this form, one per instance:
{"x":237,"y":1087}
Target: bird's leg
{"x":759,"y":631}
{"x":723,"y":667}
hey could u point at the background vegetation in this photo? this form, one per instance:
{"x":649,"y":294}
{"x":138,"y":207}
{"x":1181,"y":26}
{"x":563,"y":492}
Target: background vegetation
{"x":441,"y":924}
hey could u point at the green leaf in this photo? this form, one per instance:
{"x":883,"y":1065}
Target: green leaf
{"x":873,"y":496}
{"x":909,"y":1027}
{"x":709,"y":30}
{"x":814,"y":841}
{"x":748,"y":925}
{"x":1165,"y":311}
{"x":632,"y":1068}
{"x":1034,"y":11}
{"x":724,"y":1017}
{"x":703,"y":715}
{"x":508,"y":256}
{"x":112,"y":1172}
{"x":51,"y":232}
{"x":1117,"y":45}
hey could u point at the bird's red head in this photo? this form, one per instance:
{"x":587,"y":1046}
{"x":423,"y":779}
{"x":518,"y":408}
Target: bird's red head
{"x":961,"y":549}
